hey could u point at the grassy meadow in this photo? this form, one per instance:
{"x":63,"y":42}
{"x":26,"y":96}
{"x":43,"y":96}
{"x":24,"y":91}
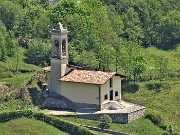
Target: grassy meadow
{"x":141,"y":126}
{"x":28,"y":126}
{"x":165,"y":101}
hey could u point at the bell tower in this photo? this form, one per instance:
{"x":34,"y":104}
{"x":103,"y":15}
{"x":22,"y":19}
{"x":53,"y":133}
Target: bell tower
{"x":59,"y":57}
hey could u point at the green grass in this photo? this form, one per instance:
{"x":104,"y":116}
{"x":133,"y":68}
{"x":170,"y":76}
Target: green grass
{"x":173,"y":56}
{"x":26,"y":126}
{"x":18,"y":79}
{"x":141,"y":126}
{"x":165,"y":102}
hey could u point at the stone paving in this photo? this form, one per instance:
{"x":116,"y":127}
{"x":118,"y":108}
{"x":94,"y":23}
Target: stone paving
{"x":124,"y":107}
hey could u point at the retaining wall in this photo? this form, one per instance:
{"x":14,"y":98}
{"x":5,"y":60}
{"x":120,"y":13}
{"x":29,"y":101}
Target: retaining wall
{"x":116,"y":117}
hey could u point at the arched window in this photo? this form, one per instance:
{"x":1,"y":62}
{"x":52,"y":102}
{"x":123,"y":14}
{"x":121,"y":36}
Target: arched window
{"x":64,"y":48}
{"x":56,"y":49}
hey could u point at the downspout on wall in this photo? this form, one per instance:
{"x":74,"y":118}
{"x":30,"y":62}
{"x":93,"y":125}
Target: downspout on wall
{"x":99,"y":96}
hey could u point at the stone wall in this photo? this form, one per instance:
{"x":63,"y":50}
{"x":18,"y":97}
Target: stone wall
{"x":85,"y":105}
{"x":116,"y":117}
{"x":135,"y":114}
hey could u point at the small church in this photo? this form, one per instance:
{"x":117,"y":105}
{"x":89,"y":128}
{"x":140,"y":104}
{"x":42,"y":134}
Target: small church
{"x":75,"y":87}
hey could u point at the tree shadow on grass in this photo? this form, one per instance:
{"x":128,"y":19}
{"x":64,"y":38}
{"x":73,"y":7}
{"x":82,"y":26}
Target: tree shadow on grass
{"x":157,"y":87}
{"x":131,"y":88}
{"x":153,"y":86}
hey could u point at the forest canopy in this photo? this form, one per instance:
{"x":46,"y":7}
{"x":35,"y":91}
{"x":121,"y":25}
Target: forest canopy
{"x":100,"y":29}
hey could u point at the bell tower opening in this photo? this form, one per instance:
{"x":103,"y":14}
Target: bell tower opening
{"x":56,"y":49}
{"x":64,"y":48}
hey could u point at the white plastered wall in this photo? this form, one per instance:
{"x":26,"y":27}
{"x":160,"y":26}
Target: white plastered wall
{"x":80,"y":92}
{"x":105,"y":89}
{"x":117,"y":87}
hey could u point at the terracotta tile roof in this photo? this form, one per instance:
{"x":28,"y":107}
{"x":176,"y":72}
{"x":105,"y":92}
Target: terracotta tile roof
{"x":87,"y":76}
{"x":47,"y":69}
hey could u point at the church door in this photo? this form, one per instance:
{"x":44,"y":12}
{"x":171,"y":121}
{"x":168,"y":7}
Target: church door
{"x":111,"y":95}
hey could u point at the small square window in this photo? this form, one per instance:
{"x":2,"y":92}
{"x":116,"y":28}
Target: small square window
{"x":116,"y":93}
{"x":105,"y":97}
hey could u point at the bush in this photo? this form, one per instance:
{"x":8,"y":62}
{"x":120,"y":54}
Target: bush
{"x":105,"y":120}
{"x":156,"y":119}
{"x":5,"y":116}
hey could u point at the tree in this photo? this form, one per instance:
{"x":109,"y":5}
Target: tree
{"x":10,"y":45}
{"x":88,"y":60}
{"x":9,"y":13}
{"x":116,"y":21}
{"x":105,"y":30}
{"x":2,"y":28}
{"x":170,"y":30}
{"x":132,"y":26}
{"x":3,"y":53}
{"x":106,"y":57}
{"x":138,"y":66}
{"x":38,"y":53}
{"x":131,"y":60}
{"x":32,"y":23}
{"x":161,"y":65}
{"x":41,"y":26}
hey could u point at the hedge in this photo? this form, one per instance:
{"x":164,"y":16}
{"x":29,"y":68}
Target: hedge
{"x":54,"y":121}
{"x":6,"y":116}
{"x":63,"y":124}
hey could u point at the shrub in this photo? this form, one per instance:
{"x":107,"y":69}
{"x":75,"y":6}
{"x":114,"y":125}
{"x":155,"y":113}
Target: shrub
{"x":5,"y":116}
{"x":105,"y":120}
{"x":156,"y":119}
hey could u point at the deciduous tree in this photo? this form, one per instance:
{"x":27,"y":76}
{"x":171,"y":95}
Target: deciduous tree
{"x":38,"y":52}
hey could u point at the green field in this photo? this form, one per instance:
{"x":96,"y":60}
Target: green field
{"x":173,"y":56}
{"x":165,"y":102}
{"x":17,"y":79}
{"x":26,"y":126}
{"x":141,"y":126}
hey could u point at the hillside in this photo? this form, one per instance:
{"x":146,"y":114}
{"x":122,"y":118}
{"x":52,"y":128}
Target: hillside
{"x":139,"y":38}
{"x":163,"y":103}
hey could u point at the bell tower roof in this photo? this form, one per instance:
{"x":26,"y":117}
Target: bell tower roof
{"x":59,"y":26}
{"x":59,"y":29}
